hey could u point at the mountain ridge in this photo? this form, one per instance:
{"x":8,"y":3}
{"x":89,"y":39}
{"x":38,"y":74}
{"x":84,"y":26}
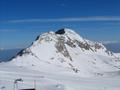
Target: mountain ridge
{"x":66,"y":51}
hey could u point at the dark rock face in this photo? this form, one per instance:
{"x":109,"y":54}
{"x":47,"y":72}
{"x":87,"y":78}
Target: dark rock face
{"x":61,"y":31}
{"x":97,"y":46}
{"x":21,"y":52}
{"x":60,"y":46}
{"x":37,"y":38}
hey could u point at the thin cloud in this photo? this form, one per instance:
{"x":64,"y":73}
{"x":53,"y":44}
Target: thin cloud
{"x":110,"y":42}
{"x":77,"y":19}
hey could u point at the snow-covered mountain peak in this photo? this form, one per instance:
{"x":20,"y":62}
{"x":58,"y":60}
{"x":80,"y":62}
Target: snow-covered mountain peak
{"x":65,"y":50}
{"x":71,"y":34}
{"x":61,"y":33}
{"x":67,"y":37}
{"x":65,"y":31}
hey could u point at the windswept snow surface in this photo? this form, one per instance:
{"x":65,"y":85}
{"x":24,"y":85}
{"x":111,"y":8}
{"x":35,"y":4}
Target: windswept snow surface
{"x":63,"y":60}
{"x":54,"y":81}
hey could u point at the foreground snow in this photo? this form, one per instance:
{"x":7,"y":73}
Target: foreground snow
{"x":54,"y":81}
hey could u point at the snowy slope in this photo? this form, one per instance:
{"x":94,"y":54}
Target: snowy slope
{"x":67,"y":52}
{"x":50,"y":81}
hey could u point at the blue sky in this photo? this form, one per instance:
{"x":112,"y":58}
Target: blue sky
{"x":22,"y":20}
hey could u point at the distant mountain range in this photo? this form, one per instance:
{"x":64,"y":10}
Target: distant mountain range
{"x":114,"y":47}
{"x":7,"y":54}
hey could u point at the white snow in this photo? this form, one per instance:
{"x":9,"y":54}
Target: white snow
{"x":54,"y":81}
{"x":63,"y":62}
